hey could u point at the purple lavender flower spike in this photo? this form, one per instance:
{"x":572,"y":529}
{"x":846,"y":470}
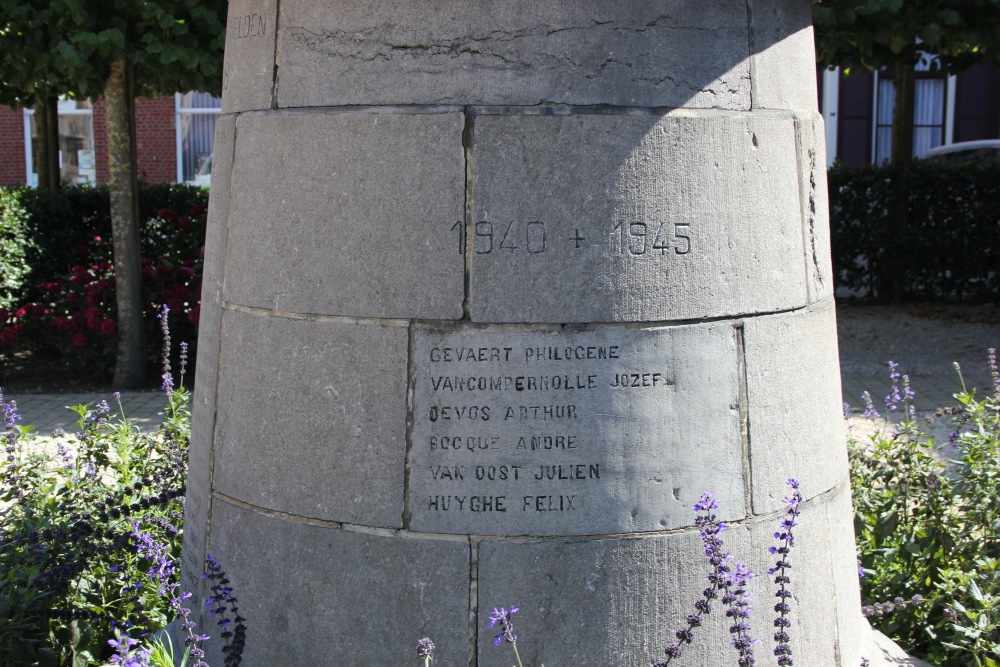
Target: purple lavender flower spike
{"x":168,"y":380}
{"x":870,"y":411}
{"x":722,"y":580}
{"x":786,"y":539}
{"x":223,"y":603}
{"x":425,"y":649}
{"x":502,"y":617}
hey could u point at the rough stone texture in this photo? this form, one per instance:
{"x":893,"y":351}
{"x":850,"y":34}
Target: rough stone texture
{"x":322,"y":597}
{"x":354,"y":214}
{"x":199,"y":483}
{"x":312,"y":418}
{"x":784,"y":61}
{"x":613,"y":196}
{"x":793,"y":390}
{"x":671,"y":53}
{"x":632,"y":459}
{"x":248,"y":67}
{"x":815,"y":204}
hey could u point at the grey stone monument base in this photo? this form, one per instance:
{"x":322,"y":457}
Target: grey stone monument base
{"x":493,"y":293}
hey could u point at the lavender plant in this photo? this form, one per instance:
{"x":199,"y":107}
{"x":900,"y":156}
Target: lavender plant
{"x":927,"y":529}
{"x":725,"y":582}
{"x":89,"y":539}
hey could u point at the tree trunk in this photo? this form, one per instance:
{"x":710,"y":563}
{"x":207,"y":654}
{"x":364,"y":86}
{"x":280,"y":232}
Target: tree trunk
{"x":46,"y":151}
{"x":130,"y":361}
{"x":902,"y":158}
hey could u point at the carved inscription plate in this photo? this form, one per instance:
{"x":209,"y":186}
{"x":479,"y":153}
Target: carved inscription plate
{"x":560,"y":432}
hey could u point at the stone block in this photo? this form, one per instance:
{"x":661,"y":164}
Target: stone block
{"x":323,"y":596}
{"x":558,"y":432}
{"x":312,"y":418}
{"x":675,"y":53}
{"x":348,"y":214}
{"x":601,"y":602}
{"x":598,"y":218}
{"x":199,"y":482}
{"x":248,"y":66}
{"x":784,"y":60}
{"x":793,"y":393}
{"x":814,"y":605}
{"x":619,"y":601}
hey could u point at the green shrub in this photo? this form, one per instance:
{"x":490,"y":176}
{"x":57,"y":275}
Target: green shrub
{"x":952,"y":240}
{"x":14,"y":247}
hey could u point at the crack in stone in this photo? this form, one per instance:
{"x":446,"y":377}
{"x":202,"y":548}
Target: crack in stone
{"x":812,"y":215}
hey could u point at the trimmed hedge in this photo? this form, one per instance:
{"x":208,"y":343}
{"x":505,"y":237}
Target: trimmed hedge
{"x":56,"y":279}
{"x":950,"y":247}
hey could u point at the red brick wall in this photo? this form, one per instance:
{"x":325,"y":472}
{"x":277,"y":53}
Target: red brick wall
{"x":156,"y":140}
{"x":12,"y":161}
{"x":101,"y":141}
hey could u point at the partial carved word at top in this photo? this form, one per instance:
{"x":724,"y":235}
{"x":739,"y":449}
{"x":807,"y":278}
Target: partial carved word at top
{"x":249,"y":25}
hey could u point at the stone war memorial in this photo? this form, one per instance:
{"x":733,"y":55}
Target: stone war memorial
{"x":494,"y":292}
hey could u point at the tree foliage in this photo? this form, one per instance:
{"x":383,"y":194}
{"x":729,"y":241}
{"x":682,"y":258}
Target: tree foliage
{"x":115,"y":49}
{"x":874,"y":34}
{"x":67,"y":46}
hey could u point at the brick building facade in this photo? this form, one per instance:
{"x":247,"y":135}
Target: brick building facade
{"x":165,"y":129}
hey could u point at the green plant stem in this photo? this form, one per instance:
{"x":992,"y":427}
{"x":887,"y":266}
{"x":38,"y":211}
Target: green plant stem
{"x":517,"y":655}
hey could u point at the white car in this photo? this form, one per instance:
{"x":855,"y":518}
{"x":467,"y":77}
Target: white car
{"x":964,"y":149}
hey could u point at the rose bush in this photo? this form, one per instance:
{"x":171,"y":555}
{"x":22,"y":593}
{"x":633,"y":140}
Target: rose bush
{"x":73,"y":315}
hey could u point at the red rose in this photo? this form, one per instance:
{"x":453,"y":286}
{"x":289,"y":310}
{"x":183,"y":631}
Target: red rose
{"x":166,"y":214}
{"x":185,"y":222}
{"x":4,"y":314}
{"x":195,"y":315}
{"x":80,"y":339}
{"x":9,"y":335}
{"x":108,"y":327}
{"x":197,"y":209}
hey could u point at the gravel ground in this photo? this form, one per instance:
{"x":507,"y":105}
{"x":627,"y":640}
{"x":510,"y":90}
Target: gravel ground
{"x":926,"y":340}
{"x":923,"y":339}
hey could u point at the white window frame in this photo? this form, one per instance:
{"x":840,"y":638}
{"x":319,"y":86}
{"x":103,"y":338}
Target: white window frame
{"x":830,"y":104}
{"x":828,"y":107}
{"x":178,"y":128}
{"x":30,"y":177}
